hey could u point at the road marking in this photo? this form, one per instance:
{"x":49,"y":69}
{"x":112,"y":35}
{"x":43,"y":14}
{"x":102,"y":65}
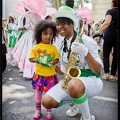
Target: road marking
{"x":105,"y":98}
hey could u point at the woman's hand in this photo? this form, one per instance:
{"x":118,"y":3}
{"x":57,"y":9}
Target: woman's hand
{"x":97,"y":32}
{"x":79,"y":48}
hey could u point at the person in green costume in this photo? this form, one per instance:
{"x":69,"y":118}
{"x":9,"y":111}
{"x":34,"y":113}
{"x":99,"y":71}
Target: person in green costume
{"x":88,"y":84}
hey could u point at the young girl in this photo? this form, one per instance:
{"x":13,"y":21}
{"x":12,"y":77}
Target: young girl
{"x":12,"y":38}
{"x":45,"y":55}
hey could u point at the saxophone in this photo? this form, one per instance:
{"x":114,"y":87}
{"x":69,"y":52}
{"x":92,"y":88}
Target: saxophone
{"x":72,"y":71}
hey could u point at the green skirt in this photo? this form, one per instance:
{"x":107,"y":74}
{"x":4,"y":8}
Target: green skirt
{"x":13,"y":36}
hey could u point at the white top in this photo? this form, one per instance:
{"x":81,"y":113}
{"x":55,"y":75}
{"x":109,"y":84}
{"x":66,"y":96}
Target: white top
{"x":20,"y":20}
{"x":31,"y":20}
{"x":58,"y":40}
{"x":88,"y":42}
{"x":11,"y":25}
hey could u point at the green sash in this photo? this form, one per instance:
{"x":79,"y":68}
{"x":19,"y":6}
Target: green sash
{"x":88,"y":72}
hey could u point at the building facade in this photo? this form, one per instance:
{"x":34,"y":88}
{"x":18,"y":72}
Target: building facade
{"x":9,"y":7}
{"x":99,"y":8}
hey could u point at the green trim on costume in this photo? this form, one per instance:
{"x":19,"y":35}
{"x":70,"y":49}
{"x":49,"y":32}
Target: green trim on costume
{"x":9,"y":31}
{"x":64,"y":102}
{"x":13,"y":36}
{"x":88,"y":72}
{"x":81,"y":39}
{"x":81,"y":99}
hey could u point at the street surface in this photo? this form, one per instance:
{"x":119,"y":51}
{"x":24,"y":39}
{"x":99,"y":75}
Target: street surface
{"x":18,"y":100}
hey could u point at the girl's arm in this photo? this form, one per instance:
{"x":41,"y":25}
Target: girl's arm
{"x":54,"y":61}
{"x":33,"y":60}
{"x":58,"y":70}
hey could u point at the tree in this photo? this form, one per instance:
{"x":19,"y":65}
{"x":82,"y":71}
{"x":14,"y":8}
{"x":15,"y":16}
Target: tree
{"x":81,"y":2}
{"x":56,"y":3}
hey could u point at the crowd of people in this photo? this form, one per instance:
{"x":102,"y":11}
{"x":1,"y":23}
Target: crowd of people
{"x":37,"y":45}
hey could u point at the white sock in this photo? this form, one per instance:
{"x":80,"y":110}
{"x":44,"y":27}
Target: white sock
{"x":84,"y":108}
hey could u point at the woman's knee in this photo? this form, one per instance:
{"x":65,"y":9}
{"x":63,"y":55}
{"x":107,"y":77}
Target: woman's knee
{"x":48,"y":102}
{"x":76,"y":88}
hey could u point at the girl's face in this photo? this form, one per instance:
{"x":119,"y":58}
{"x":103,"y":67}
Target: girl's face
{"x":64,"y":29}
{"x":47,"y":36}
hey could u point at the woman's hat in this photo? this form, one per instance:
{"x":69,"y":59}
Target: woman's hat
{"x":12,"y":15}
{"x":31,"y":9}
{"x":67,"y":12}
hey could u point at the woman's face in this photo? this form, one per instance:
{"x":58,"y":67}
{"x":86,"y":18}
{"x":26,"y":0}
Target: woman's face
{"x":10,"y":18}
{"x":97,"y":25}
{"x":64,"y":29}
{"x":47,"y":36}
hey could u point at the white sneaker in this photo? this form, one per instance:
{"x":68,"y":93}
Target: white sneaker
{"x":73,"y":110}
{"x":91,"y":117}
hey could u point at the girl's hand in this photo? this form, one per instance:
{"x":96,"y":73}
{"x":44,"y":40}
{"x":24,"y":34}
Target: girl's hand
{"x":53,"y":62}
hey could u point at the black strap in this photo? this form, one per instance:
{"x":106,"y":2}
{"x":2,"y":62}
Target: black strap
{"x":89,"y":30}
{"x":65,"y":44}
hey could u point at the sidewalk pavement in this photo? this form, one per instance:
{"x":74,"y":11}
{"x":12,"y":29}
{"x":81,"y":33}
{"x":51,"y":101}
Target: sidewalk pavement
{"x":18,"y":98}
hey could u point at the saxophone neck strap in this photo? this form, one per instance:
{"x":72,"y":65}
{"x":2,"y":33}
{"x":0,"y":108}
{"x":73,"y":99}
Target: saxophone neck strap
{"x":65,"y":44}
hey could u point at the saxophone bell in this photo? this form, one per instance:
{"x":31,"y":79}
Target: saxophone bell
{"x":74,"y":72}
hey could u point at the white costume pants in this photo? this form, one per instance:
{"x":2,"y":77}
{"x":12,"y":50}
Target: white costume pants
{"x":93,"y":86}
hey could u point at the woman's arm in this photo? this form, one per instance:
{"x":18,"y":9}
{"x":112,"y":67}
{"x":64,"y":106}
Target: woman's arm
{"x":6,"y":37}
{"x":90,"y":57}
{"x":22,"y":28}
{"x":106,"y":23}
{"x":93,"y":64}
{"x":86,"y":32}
